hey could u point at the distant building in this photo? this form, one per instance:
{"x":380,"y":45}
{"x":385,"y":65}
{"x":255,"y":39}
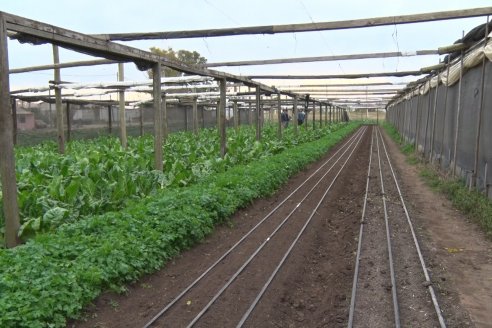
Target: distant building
{"x":25,"y":120}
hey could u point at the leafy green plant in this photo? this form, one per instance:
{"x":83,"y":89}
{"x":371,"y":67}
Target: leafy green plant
{"x":55,"y":274}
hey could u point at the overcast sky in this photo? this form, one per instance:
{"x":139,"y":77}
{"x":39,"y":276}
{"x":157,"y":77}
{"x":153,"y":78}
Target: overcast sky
{"x":109,"y":16}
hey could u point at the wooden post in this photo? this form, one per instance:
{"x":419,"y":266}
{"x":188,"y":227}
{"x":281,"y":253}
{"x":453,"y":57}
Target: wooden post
{"x":330,"y":115}
{"x":59,"y":109}
{"x":158,"y":157}
{"x":69,"y":122}
{"x":457,"y":126}
{"x":14,"y":120}
{"x":222,"y":114}
{"x":110,"y":119}
{"x":294,"y":118}
{"x":7,"y":159}
{"x":320,"y":115}
{"x":258,"y":113}
{"x":195,"y":115}
{"x":431,"y":158}
{"x":417,"y":123}
{"x":445,"y":110}
{"x":326,"y":115}
{"x":279,"y":117}
{"x":186,"y":118}
{"x":473,"y":182}
{"x":164,"y":121}
{"x":235,"y":116}
{"x":141,"y":120}
{"x":121,"y":77}
{"x":203,"y":117}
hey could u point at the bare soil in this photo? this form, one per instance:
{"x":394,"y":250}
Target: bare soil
{"x":314,"y":286}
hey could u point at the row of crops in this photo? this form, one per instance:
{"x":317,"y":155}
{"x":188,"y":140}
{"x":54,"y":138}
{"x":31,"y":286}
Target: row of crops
{"x":99,"y":216}
{"x":99,"y":175}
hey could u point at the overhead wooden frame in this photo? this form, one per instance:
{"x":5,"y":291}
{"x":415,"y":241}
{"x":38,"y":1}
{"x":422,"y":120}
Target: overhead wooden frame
{"x":309,"y":27}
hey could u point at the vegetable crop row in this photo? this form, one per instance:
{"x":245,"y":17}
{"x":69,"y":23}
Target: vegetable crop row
{"x":98,"y":176}
{"x":55,"y":274}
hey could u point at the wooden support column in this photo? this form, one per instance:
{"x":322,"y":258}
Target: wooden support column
{"x":473,"y":182}
{"x":330,"y":114}
{"x":158,"y":157}
{"x":279,"y":117}
{"x":434,"y":114}
{"x":165,"y":123}
{"x":110,"y":119}
{"x":121,"y":94}
{"x":58,"y":100}
{"x":294,"y":118}
{"x":203,"y":117}
{"x":14,"y":120}
{"x":7,"y":159}
{"x":314,"y":115}
{"x":195,"y":115}
{"x":326,"y":115}
{"x":235,"y":115}
{"x":222,"y":115}
{"x":320,"y":115}
{"x":258,"y":113}
{"x":186,"y":118}
{"x":141,"y":120}
{"x":445,"y":111}
{"x":69,"y":122}
{"x":457,"y":125}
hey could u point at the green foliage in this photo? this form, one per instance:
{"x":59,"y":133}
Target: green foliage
{"x":471,"y":203}
{"x":98,"y":176}
{"x":187,"y":57}
{"x":55,"y":274}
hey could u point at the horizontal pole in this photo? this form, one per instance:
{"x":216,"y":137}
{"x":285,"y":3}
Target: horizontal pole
{"x":324,"y":58}
{"x":34,"y":31}
{"x":346,"y":90}
{"x":290,"y":28}
{"x":347,"y":84}
{"x":62,"y":65}
{"x":335,"y":76}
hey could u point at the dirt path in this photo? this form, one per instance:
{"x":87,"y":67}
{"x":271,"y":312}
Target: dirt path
{"x":313,"y":288}
{"x":458,"y":253}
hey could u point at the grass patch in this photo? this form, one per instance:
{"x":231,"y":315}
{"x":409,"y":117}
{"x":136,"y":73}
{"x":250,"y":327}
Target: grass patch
{"x":473,"y":204}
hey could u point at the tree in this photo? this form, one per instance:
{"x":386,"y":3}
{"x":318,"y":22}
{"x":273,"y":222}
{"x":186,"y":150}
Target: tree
{"x":185,"y":56}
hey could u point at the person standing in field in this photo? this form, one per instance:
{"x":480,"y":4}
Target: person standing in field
{"x":300,"y":117}
{"x":284,"y":118}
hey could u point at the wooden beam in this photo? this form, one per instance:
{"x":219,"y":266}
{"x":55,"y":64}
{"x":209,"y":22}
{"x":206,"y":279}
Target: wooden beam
{"x":7,"y":159}
{"x":222,"y":113}
{"x":58,"y":99}
{"x":122,"y":112}
{"x":294,"y":116}
{"x":279,"y":118}
{"x":235,"y":113}
{"x":347,"y":84}
{"x":291,"y":28}
{"x":336,"y":76}
{"x":102,"y":48}
{"x":158,"y":157}
{"x":69,"y":122}
{"x":391,"y":90}
{"x":324,"y":58}
{"x":14,"y":119}
{"x":110,"y":119}
{"x":349,"y":93}
{"x":62,"y":65}
{"x":258,"y":113}
{"x":195,"y":116}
